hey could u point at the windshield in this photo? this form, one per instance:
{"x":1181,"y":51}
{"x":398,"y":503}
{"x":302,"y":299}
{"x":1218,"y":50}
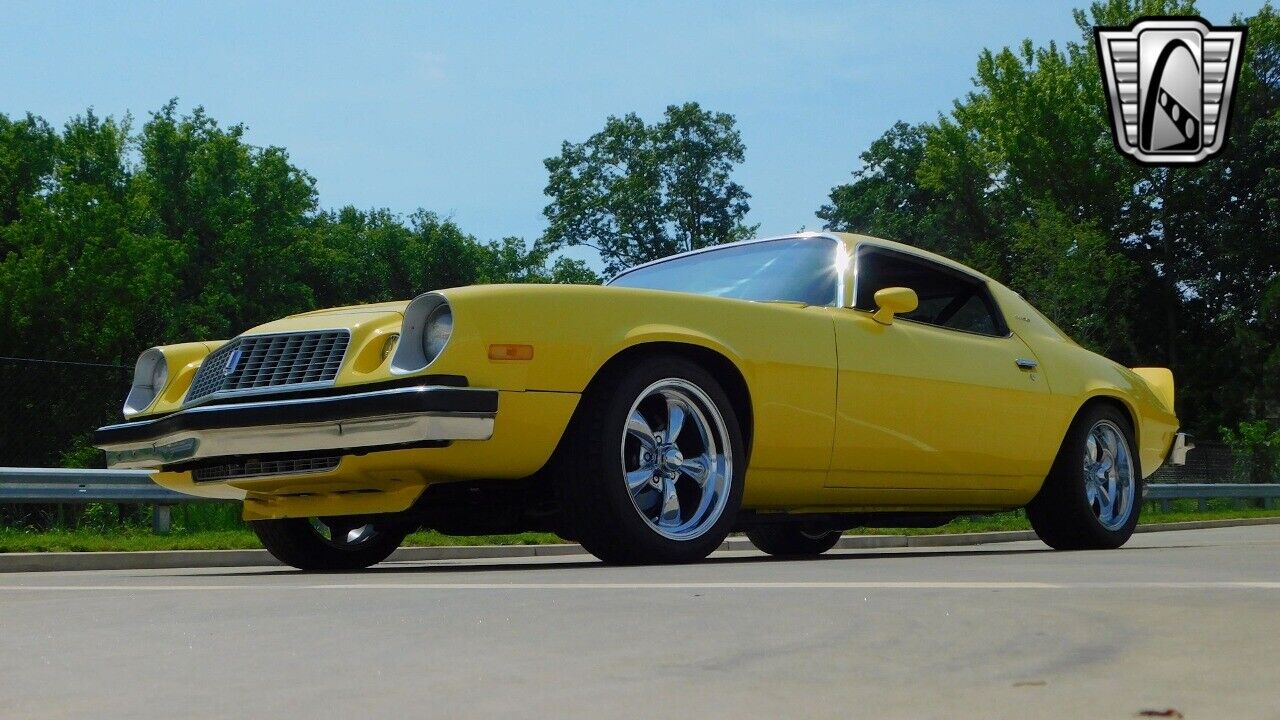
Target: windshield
{"x":792,"y":269}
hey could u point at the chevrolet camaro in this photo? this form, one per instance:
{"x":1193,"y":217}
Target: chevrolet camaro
{"x":790,"y":388}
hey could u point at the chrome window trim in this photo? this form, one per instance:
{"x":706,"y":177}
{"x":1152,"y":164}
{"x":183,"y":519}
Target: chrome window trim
{"x":838,"y":243}
{"x":249,"y":392}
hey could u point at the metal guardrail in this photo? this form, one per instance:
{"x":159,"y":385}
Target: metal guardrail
{"x":58,"y":485}
{"x":1269,"y":493}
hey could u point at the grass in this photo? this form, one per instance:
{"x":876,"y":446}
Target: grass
{"x":198,"y":531}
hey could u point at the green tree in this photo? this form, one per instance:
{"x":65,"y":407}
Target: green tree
{"x":85,"y":277}
{"x":240,"y":214}
{"x":113,"y":240}
{"x":636,"y":192}
{"x":1147,"y":265}
{"x":567,"y":271}
{"x":1257,"y":447}
{"x":26,"y":164}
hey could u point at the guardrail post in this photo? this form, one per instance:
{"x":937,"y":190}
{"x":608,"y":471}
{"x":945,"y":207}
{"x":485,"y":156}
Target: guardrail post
{"x":161,"y":519}
{"x":1163,"y":505}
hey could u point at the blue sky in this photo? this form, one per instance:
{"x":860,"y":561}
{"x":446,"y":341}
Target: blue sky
{"x":453,"y":106}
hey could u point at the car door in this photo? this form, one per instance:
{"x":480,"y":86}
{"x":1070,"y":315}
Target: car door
{"x":944,"y":396}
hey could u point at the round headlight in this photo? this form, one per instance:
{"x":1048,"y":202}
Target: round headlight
{"x":150,"y":376}
{"x":159,"y":374}
{"x":438,"y":329}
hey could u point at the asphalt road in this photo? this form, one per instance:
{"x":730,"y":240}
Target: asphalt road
{"x":1185,"y":620}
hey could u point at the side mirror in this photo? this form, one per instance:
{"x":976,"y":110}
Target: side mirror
{"x":894,"y":300}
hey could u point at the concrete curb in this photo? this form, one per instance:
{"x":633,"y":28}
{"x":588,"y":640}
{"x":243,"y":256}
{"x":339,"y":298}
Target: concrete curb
{"x":169,"y":559}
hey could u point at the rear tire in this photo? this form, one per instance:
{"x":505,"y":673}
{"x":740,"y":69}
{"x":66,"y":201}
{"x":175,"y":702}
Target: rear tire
{"x":632,"y":495}
{"x":337,"y":543}
{"x":1093,"y":494}
{"x":792,"y":540}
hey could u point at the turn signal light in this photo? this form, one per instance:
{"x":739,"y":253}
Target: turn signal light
{"x":510,"y":352}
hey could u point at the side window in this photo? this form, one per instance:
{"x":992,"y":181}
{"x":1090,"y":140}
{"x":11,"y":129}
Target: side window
{"x":948,"y":298}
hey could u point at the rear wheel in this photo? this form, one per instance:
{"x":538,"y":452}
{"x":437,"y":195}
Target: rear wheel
{"x":330,"y":543}
{"x":787,"y":540}
{"x":1092,"y":496}
{"x":651,"y":469}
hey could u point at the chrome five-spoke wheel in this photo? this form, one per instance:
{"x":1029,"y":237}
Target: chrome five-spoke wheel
{"x":1108,"y":475}
{"x":1093,"y":493}
{"x":675,"y":460}
{"x":651,"y":468}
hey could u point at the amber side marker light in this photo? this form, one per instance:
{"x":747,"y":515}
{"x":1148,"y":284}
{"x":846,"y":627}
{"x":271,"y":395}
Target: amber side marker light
{"x":510,"y":352}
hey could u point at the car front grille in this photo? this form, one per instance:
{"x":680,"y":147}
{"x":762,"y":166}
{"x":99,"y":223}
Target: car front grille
{"x":262,"y":468}
{"x":257,"y":362}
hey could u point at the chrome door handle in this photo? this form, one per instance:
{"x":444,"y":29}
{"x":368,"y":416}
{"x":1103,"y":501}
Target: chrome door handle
{"x":1026,"y":363}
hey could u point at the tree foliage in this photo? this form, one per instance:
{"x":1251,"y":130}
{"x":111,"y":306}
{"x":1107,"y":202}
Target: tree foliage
{"x":637,"y":192}
{"x":1150,"y":266}
{"x":114,"y":239}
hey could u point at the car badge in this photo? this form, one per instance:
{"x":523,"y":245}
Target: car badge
{"x":1169,"y":83}
{"x":232,"y":361}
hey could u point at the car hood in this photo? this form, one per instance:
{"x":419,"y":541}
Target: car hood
{"x":352,"y":317}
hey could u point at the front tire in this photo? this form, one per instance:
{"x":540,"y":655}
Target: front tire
{"x":331,"y":543}
{"x":651,"y":468}
{"x":792,"y":540}
{"x":1093,"y":494}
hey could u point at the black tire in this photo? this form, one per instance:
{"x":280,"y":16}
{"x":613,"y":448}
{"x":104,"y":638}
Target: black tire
{"x":299,"y":543}
{"x":792,"y":540}
{"x":1061,"y":513}
{"x":596,"y":506}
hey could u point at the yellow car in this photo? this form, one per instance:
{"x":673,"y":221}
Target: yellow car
{"x":790,"y":387}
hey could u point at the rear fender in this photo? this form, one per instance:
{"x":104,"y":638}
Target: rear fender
{"x":1160,"y":380}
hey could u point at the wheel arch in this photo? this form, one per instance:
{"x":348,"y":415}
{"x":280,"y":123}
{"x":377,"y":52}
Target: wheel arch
{"x":1104,"y":399}
{"x":1116,"y":401}
{"x":1100,"y":398}
{"x":718,"y":364}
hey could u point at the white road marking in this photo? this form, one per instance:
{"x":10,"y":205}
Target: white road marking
{"x":888,"y":585}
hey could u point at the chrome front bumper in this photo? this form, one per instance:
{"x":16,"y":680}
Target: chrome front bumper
{"x":400,"y":416}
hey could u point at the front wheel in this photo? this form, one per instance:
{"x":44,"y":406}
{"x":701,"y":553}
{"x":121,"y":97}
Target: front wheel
{"x":330,"y":543}
{"x":1093,"y":494}
{"x":787,"y":540}
{"x":651,"y":468}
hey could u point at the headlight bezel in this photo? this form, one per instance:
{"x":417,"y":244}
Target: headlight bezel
{"x":413,"y":354}
{"x":150,"y":378}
